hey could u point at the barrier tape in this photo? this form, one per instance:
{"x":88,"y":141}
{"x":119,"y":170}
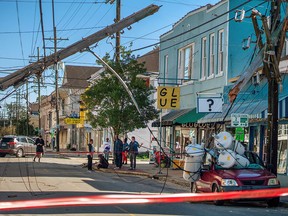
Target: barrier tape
{"x":140,"y":199}
{"x":54,"y":153}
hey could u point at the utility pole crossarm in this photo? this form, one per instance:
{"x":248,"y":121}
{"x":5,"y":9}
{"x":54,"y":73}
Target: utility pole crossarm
{"x":19,"y":76}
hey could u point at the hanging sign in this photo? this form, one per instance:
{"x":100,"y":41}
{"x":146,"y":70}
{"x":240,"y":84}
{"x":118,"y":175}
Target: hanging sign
{"x":239,"y":120}
{"x":168,"y":97}
{"x":209,"y":104}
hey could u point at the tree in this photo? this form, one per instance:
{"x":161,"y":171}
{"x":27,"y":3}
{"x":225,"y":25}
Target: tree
{"x":108,"y":102}
{"x":17,"y":116}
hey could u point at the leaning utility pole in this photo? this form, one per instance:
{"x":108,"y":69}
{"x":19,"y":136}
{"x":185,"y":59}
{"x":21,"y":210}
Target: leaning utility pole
{"x":17,"y":77}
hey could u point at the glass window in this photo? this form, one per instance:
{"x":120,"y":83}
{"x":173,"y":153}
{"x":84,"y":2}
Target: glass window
{"x":166,"y":69}
{"x":186,"y":62}
{"x":212,"y":55}
{"x":204,"y":58}
{"x":220,"y":51}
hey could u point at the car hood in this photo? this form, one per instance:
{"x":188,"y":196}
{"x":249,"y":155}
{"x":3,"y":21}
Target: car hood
{"x":245,"y":173}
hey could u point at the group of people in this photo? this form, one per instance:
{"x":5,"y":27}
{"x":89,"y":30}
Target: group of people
{"x":122,"y":150}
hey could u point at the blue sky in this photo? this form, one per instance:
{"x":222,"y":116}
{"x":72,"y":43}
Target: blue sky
{"x":20,"y":32}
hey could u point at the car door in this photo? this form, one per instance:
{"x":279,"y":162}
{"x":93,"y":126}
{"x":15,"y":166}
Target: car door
{"x":206,"y":175}
{"x":23,"y":143}
{"x":31,"y":146}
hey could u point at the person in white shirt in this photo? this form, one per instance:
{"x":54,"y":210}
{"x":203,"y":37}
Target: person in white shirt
{"x":107,"y":147}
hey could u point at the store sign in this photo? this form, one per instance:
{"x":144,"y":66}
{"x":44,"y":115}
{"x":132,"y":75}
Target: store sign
{"x":168,"y":97}
{"x":209,"y":104}
{"x":240,"y":134}
{"x":239,"y":120}
{"x":72,"y":120}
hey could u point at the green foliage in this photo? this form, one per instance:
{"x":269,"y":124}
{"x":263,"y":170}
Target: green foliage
{"x":17,"y":116}
{"x":110,"y":105}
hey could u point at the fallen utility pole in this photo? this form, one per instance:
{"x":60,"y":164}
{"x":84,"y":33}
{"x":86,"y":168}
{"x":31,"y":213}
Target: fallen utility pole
{"x":18,"y":78}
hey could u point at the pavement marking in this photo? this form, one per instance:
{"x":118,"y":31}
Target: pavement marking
{"x":125,"y":211}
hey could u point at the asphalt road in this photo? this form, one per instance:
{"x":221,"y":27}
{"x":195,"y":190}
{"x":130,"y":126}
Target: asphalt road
{"x":21,"y":179}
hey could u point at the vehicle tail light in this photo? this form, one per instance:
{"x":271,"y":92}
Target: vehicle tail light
{"x":12,"y":144}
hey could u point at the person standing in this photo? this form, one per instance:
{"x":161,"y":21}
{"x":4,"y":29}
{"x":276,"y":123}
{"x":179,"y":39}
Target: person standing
{"x":125,"y":151}
{"x":133,"y":152}
{"x":118,"y":148}
{"x":90,"y":153}
{"x":39,"y":142}
{"x":107,"y":147}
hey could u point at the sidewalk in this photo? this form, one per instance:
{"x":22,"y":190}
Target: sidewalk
{"x":174,"y":175}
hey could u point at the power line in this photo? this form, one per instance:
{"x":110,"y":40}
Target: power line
{"x":185,"y":32}
{"x":20,"y":36}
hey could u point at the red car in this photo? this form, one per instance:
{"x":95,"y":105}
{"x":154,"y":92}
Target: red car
{"x":214,"y":178}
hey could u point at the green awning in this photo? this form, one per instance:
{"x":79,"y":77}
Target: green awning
{"x":190,"y":117}
{"x":168,"y":119}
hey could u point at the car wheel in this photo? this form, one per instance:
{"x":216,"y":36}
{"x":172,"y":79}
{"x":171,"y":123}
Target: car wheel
{"x":215,"y":189}
{"x":2,"y":155}
{"x":274,"y":202}
{"x":193,"y":187}
{"x":20,"y":153}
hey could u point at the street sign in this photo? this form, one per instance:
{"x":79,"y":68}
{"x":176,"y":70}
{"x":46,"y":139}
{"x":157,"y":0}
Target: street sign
{"x":72,"y":120}
{"x":239,"y":120}
{"x":168,"y":97}
{"x":240,"y":134}
{"x":209,"y":104}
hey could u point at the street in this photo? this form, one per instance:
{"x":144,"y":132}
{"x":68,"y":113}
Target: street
{"x":21,"y":179}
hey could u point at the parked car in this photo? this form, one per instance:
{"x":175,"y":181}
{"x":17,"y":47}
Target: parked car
{"x":214,"y":178}
{"x":16,"y":145}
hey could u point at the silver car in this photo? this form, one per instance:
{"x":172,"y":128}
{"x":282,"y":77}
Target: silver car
{"x":16,"y":145}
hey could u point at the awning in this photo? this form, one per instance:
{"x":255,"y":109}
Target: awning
{"x":190,"y":117}
{"x":169,"y":119}
{"x":252,"y":108}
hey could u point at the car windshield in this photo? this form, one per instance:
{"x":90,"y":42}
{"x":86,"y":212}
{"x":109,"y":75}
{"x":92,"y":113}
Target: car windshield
{"x":253,"y":166}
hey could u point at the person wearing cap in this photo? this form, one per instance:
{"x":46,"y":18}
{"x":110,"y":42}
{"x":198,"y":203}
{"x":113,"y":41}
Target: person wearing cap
{"x":133,"y":152}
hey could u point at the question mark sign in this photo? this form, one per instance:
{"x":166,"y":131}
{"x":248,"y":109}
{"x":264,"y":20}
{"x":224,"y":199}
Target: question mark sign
{"x":211,"y":102}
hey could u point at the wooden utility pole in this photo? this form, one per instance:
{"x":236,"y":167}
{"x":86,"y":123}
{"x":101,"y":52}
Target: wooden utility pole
{"x":273,"y":87}
{"x":269,"y":56}
{"x":118,"y":17}
{"x":27,"y":109}
{"x":56,"y":81}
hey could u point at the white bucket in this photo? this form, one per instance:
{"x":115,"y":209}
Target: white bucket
{"x":227,"y":158}
{"x":192,"y":162}
{"x":241,"y":162}
{"x":239,"y":148}
{"x":223,"y":140}
{"x":192,"y":166}
{"x":194,"y":149}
